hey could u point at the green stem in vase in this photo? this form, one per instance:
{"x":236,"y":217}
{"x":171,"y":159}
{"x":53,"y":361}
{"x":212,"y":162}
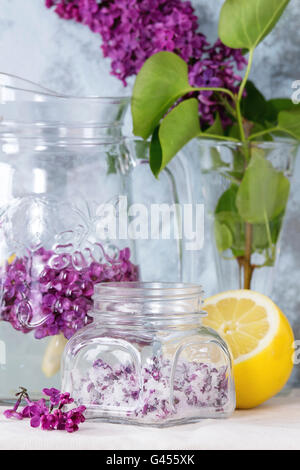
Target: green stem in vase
{"x":248,"y":268}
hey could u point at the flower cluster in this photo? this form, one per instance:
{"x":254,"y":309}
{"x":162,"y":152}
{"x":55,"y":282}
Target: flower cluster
{"x":216,"y":69}
{"x":47,"y":292}
{"x":48,"y":418}
{"x":196,"y":385}
{"x":133,"y":30}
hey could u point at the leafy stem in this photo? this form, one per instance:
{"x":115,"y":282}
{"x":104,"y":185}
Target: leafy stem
{"x":248,"y":268}
{"x":240,"y":95}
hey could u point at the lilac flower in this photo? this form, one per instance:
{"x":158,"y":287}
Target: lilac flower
{"x":216,"y":70}
{"x":133,"y":30}
{"x":65,"y":399}
{"x":54,"y":395}
{"x":61,"y":419}
{"x":35,"y":411}
{"x":74,"y":418}
{"x":48,"y":419}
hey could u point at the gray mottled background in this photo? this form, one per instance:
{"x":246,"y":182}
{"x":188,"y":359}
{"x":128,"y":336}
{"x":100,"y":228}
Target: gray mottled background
{"x":65,"y":56}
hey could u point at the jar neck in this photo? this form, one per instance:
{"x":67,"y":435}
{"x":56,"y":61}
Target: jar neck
{"x":148,"y":306}
{"x":31,"y":111}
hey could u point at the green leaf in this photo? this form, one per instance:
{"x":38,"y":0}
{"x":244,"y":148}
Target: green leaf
{"x":141,"y":149}
{"x":245,"y":23}
{"x":289,"y":122}
{"x":223,"y":236}
{"x":259,"y":238}
{"x":263,"y":193}
{"x":177,"y":129}
{"x":111,"y":164}
{"x":275,"y":227}
{"x":216,"y":128}
{"x":233,"y":131}
{"x":155,"y":153}
{"x":162,"y":80}
{"x":276,"y":105}
{"x":228,"y":221}
{"x":236,"y":226}
{"x":226,"y":202}
{"x":216,"y":161}
{"x":236,"y":168}
{"x":227,"y":215}
{"x":254,"y":104}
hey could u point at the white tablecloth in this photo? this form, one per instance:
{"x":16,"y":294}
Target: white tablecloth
{"x":273,"y":425}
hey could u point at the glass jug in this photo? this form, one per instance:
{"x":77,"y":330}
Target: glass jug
{"x":147,"y":359}
{"x":64,"y":168}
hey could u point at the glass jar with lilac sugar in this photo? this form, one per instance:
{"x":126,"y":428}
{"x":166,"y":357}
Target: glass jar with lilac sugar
{"x":147,"y":359}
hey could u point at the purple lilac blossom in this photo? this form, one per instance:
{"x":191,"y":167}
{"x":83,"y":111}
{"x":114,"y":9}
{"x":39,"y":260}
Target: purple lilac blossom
{"x":49,"y":419}
{"x":133,"y":30}
{"x":197,"y":387}
{"x":56,"y":293}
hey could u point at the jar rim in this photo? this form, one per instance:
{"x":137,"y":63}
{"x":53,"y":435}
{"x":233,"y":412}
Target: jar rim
{"x":136,"y":289}
{"x":148,"y":305}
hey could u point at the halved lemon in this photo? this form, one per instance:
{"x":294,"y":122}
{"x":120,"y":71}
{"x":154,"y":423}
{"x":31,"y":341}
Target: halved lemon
{"x":260,"y":339}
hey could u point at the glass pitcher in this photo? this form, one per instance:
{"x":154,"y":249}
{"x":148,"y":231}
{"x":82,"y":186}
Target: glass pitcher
{"x":64,"y":168}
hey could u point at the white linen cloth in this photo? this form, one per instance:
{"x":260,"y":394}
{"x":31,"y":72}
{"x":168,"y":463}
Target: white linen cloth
{"x":273,"y":425}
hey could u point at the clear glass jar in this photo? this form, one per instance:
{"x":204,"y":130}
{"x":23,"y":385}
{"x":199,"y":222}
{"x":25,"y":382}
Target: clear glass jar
{"x":147,"y":359}
{"x":65,"y":168}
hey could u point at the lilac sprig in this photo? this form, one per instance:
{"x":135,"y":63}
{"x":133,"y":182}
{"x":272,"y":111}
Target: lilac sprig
{"x":134,"y":30}
{"x":52,"y":418}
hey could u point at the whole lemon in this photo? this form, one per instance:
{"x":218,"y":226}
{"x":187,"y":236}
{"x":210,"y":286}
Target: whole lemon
{"x":261,"y":341}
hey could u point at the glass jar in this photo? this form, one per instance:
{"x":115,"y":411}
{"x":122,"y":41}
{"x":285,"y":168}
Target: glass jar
{"x":147,"y":359}
{"x":65,"y":171}
{"x":245,"y":189}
